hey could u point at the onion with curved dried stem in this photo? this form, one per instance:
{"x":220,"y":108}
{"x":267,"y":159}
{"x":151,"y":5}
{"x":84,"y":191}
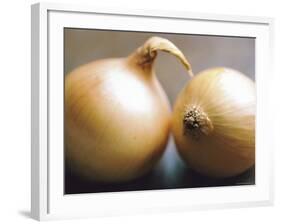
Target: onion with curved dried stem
{"x":117,"y":116}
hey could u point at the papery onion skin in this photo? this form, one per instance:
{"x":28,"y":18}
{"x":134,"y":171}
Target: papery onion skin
{"x":117,"y":121}
{"x":117,"y":116}
{"x":225,"y":144}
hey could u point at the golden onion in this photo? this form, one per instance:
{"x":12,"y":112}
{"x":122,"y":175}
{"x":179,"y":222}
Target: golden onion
{"x":117,"y":116}
{"x":214,"y":122}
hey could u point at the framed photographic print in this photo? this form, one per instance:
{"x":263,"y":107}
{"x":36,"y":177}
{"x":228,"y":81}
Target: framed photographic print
{"x":148,"y":111}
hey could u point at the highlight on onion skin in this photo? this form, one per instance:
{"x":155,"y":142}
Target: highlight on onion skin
{"x":117,"y":116}
{"x":214,"y":123}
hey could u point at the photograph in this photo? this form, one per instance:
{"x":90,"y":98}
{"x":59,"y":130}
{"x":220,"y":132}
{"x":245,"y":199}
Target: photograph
{"x":157,"y":111}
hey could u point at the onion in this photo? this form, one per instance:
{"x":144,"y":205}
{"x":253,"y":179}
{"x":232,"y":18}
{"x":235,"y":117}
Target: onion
{"x":214,"y":123}
{"x":117,"y":116}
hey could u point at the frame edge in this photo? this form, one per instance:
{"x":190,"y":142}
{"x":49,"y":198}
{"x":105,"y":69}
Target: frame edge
{"x":39,"y":169}
{"x":68,"y":7}
{"x":35,"y":178}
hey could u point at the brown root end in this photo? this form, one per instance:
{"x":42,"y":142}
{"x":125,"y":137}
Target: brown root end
{"x":196,"y":122}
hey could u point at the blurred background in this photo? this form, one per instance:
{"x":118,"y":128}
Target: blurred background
{"x":83,"y":45}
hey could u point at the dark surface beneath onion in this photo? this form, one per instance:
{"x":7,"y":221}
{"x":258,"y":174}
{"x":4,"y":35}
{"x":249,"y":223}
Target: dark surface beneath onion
{"x":170,"y":173}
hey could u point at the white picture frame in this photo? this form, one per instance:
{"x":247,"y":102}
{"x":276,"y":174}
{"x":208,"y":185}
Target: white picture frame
{"x":48,"y":201}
